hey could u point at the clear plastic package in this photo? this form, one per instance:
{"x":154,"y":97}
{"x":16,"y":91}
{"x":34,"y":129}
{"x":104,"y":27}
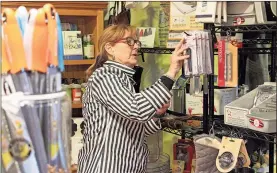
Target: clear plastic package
{"x":39,"y":127}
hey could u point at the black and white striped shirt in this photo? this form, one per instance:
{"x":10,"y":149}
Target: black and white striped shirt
{"x":118,"y":120}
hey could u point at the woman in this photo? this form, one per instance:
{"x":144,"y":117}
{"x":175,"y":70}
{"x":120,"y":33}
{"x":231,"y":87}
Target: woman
{"x":117,"y":119}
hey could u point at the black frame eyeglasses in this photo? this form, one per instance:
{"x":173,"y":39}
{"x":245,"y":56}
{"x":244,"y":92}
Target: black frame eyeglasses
{"x":130,"y":41}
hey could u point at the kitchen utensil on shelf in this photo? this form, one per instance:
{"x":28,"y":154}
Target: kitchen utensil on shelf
{"x":178,"y":101}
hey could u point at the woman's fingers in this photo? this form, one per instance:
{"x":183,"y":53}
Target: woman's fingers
{"x":181,"y":51}
{"x":179,"y":45}
{"x":180,"y":58}
{"x":163,"y":109}
{"x":160,"y":111}
{"x":166,"y":105}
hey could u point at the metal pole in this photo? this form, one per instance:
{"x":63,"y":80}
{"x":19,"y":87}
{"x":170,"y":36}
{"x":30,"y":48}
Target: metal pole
{"x":206,"y":117}
{"x":273,"y":57}
{"x":271,"y":156}
{"x":211,"y":77}
{"x":205,"y":105}
{"x":272,"y":79}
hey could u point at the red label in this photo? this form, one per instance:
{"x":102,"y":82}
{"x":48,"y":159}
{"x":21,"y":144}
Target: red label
{"x":256,"y":122}
{"x":238,"y":20}
{"x":221,"y":63}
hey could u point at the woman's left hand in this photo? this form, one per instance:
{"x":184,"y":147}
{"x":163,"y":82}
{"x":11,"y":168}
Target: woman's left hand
{"x":163,"y":109}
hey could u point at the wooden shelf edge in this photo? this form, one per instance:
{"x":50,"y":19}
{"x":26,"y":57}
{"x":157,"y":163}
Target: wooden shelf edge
{"x":79,"y":62}
{"x":76,"y":105}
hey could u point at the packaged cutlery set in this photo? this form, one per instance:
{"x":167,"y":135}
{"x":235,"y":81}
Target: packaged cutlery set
{"x":199,"y":49}
{"x":36,"y":113}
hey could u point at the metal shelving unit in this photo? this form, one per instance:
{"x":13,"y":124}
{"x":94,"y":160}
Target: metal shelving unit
{"x":208,"y":114}
{"x":220,"y":126}
{"x":172,"y":131}
{"x":246,"y":28}
{"x":257,"y":41}
{"x":229,"y":130}
{"x":157,"y":50}
{"x":255,"y":51}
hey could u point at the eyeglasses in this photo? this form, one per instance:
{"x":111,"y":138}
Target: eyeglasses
{"x":130,"y":41}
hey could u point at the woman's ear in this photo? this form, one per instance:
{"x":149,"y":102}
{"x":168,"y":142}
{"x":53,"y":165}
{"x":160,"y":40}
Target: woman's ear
{"x":109,"y":49}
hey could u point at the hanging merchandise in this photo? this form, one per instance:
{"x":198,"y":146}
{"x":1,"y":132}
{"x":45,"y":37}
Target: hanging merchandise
{"x":118,"y":14}
{"x":206,"y":150}
{"x":198,"y":43}
{"x":227,"y":63}
{"x":199,"y":63}
{"x":215,"y":155}
{"x":228,"y":154}
{"x":32,"y":61}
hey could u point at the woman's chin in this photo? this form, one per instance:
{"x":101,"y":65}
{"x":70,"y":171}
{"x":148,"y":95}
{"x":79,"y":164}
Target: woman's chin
{"x":134,"y":60}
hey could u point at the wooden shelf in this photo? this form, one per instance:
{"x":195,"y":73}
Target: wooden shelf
{"x":76,"y":105}
{"x":79,"y":62}
{"x":88,"y":16}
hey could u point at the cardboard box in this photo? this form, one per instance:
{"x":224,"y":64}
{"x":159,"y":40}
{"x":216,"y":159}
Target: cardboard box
{"x":235,"y":113}
{"x":194,"y":104}
{"x":263,"y":117}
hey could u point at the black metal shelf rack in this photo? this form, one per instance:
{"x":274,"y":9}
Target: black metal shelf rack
{"x":229,"y":130}
{"x":157,"y":50}
{"x":172,"y":131}
{"x":208,"y":114}
{"x":245,"y":28}
{"x":228,"y":30}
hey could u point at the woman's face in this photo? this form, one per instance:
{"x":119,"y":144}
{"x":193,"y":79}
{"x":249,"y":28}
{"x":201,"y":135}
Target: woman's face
{"x":125,"y":50}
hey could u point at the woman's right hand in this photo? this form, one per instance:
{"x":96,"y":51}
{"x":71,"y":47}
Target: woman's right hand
{"x":177,"y":59}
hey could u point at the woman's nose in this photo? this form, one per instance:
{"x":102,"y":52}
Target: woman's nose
{"x":136,"y":46}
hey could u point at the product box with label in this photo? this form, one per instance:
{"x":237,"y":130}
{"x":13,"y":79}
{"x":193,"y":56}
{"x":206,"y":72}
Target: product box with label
{"x":263,"y":117}
{"x":194,"y":104}
{"x":236,"y":112}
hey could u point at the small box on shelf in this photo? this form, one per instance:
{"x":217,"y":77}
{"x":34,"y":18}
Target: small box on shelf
{"x":76,"y":105}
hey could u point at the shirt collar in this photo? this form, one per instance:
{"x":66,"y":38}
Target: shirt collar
{"x":127,"y":70}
